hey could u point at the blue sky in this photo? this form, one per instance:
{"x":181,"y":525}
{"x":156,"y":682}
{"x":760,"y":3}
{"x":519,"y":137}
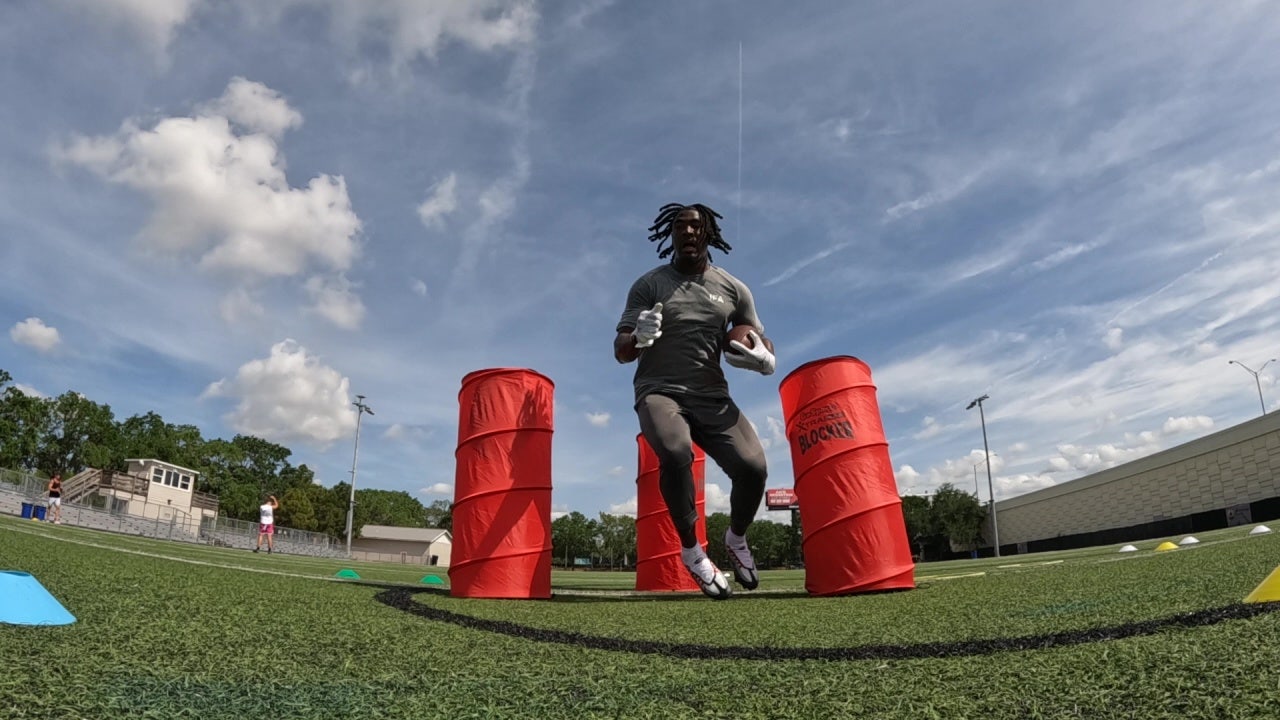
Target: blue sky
{"x":241,"y":217}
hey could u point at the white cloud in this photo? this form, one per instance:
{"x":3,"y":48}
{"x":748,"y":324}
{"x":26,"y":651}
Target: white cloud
{"x":288,"y":396}
{"x":1114,"y":338}
{"x":930,"y":428}
{"x":240,"y":305}
{"x":498,"y":200}
{"x":155,"y":22}
{"x":1146,"y":437}
{"x":906,"y":477}
{"x":1062,"y":255}
{"x":1092,"y":458}
{"x":1010,"y":485}
{"x":409,"y":30}
{"x":28,"y":390}
{"x":630,"y":507}
{"x":775,"y":435}
{"x":417,"y":29}
{"x":407,"y":433}
{"x":842,"y":129}
{"x":617,"y":471}
{"x":223,"y":196}
{"x":419,"y":288}
{"x":33,"y":333}
{"x":716,"y":498}
{"x":439,"y":488}
{"x":1189,"y":423}
{"x":255,"y":107}
{"x":442,"y":199}
{"x":951,"y":182}
{"x":802,"y":264}
{"x":333,"y":299}
{"x":599,"y":419}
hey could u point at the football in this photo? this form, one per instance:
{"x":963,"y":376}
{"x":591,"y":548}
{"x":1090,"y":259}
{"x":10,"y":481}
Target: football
{"x":739,"y":333}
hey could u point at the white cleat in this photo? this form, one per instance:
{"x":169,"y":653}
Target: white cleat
{"x":744,"y":566}
{"x":710,"y":579}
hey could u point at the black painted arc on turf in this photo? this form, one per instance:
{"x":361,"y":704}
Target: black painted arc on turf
{"x":402,"y":599}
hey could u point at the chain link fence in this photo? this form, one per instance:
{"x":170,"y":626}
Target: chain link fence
{"x":21,"y":492}
{"x":227,"y":532}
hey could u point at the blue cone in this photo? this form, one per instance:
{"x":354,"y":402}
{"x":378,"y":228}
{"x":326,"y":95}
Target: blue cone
{"x":24,"y":601}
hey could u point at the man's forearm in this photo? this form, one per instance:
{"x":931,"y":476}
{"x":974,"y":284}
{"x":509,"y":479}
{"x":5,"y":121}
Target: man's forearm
{"x":624,"y":347}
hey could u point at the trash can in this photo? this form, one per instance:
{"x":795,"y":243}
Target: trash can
{"x":38,"y":513}
{"x":502,"y":486}
{"x":855,"y":537}
{"x":658,"y":564}
{"x":27,"y":510}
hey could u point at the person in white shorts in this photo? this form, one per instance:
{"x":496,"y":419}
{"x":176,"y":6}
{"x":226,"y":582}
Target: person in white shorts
{"x":55,"y":499}
{"x":267,"y":523}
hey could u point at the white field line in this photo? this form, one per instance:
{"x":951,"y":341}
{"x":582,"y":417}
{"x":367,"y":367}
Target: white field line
{"x":951,"y":577}
{"x":1033,"y":564}
{"x":189,"y":561}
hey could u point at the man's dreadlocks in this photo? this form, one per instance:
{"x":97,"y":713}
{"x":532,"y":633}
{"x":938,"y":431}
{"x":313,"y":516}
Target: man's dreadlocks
{"x":661,"y":227}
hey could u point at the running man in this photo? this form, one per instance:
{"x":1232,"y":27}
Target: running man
{"x":675,"y":317}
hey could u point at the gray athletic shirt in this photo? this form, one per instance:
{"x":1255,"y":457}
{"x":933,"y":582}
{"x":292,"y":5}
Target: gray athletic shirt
{"x":696,"y":311}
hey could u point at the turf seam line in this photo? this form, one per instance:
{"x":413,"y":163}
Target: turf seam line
{"x":402,"y":599}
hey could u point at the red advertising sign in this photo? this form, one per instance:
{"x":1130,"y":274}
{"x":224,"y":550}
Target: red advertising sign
{"x":781,"y":499}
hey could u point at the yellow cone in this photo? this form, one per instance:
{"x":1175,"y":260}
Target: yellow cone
{"x":1268,"y":591}
{"x":1166,"y":545}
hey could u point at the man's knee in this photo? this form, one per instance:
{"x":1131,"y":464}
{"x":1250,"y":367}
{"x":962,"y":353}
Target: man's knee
{"x":750,"y":469}
{"x":675,"y":455}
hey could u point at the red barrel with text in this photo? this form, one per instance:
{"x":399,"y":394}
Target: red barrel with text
{"x":855,"y":539}
{"x":658,"y":564}
{"x":502,"y":486}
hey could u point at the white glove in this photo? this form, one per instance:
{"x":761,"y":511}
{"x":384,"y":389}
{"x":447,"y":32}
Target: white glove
{"x":648,"y":326}
{"x":757,"y":357}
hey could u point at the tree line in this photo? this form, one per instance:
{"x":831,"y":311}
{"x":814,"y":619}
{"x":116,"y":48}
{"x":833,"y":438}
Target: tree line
{"x":610,"y":541}
{"x":70,"y":433}
{"x":945,"y":525}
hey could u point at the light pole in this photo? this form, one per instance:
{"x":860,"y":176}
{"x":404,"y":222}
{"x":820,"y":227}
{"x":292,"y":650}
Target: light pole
{"x":361,"y":409}
{"x":976,"y":474}
{"x":995,"y":528}
{"x":1256,"y":381}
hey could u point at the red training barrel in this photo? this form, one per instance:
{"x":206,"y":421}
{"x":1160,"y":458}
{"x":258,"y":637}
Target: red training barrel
{"x":502,"y":486}
{"x":855,"y":539}
{"x":658,"y":564}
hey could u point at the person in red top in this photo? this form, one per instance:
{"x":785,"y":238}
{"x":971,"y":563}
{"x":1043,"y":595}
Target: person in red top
{"x":55,"y":499}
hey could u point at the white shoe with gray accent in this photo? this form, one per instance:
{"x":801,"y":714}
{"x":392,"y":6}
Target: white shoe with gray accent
{"x":744,"y":566}
{"x":710,"y":579}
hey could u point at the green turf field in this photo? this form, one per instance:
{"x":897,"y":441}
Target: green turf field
{"x":167,"y":630}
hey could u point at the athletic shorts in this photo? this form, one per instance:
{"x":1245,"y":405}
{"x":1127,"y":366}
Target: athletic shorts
{"x":55,"y":502}
{"x":269,"y":529}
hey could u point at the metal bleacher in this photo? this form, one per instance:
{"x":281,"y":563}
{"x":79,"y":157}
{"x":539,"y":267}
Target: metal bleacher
{"x":18,"y":488}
